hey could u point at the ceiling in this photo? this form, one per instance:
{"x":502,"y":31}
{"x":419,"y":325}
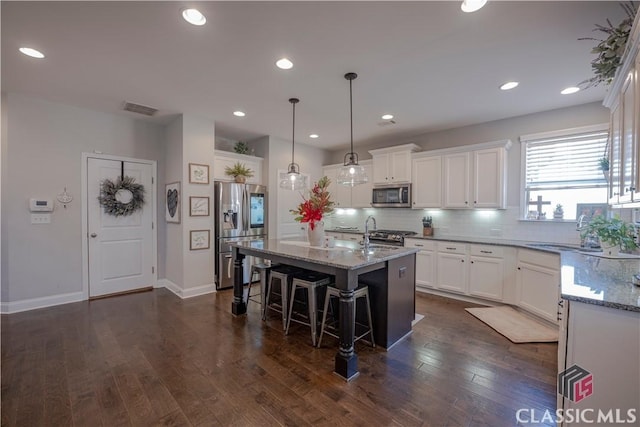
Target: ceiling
{"x":429,"y":64}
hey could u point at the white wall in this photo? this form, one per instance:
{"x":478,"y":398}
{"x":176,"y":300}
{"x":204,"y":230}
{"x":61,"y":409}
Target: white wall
{"x":197,"y":147}
{"x":173,"y":266}
{"x":42,"y":144}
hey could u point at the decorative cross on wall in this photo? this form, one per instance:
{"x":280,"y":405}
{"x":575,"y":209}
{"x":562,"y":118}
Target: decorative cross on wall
{"x":539,"y":204}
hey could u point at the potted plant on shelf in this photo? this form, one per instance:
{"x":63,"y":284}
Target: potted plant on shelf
{"x":239,"y":172}
{"x":241,"y":147}
{"x":611,"y":48}
{"x":614,"y":234}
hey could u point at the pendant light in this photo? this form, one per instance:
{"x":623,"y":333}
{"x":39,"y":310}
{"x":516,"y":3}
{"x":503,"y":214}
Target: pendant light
{"x":293,"y":180}
{"x":351,"y":173}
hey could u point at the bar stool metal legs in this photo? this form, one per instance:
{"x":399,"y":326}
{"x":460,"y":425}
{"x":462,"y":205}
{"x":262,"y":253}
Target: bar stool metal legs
{"x":309,"y":281}
{"x":361,"y":292}
{"x":283,"y":274}
{"x":263,"y":271}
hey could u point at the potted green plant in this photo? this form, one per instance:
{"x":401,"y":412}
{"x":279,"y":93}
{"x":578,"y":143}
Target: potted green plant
{"x":241,"y":147}
{"x":239,"y":172}
{"x":614,"y":233}
{"x":611,"y":48}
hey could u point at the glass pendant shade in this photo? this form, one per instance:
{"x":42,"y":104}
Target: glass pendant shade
{"x":351,"y":173}
{"x":293,"y":180}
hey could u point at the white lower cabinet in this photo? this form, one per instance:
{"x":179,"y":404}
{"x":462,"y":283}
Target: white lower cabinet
{"x":425,"y":262}
{"x":538,"y":282}
{"x":605,"y":343}
{"x":486,"y":272}
{"x":452,"y":267}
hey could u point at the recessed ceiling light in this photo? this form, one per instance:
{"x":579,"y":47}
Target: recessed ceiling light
{"x":284,"y":64}
{"x":387,"y":117}
{"x":32,"y":52}
{"x":193,"y":16}
{"x":509,"y":85}
{"x":239,"y":113}
{"x":314,"y":135}
{"x":569,"y":90}
{"x":472,"y":5}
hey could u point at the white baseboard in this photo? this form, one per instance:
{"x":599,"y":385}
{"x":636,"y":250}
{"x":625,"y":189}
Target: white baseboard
{"x":42,"y":302}
{"x":187,"y":293}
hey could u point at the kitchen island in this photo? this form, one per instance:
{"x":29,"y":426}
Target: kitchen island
{"x":389,"y":271}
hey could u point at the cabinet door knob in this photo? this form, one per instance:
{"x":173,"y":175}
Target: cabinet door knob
{"x":94,"y":235}
{"x":518,"y":268}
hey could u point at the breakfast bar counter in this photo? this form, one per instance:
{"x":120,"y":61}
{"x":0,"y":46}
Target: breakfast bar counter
{"x":389,"y":271}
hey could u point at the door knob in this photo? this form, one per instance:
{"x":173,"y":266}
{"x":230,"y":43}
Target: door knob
{"x":94,"y":235}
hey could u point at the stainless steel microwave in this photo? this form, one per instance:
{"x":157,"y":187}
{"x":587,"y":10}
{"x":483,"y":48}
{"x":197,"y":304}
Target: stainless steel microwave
{"x":391,"y":196}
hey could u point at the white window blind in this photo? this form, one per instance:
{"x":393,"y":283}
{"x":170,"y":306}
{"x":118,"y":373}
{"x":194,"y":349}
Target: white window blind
{"x":567,"y":161}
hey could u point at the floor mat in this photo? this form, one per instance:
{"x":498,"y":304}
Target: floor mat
{"x":516,"y":326}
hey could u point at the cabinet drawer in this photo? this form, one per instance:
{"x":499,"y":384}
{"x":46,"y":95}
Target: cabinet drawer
{"x":452,"y":247}
{"x":486,"y":250}
{"x":540,"y":258}
{"x":426,"y":245}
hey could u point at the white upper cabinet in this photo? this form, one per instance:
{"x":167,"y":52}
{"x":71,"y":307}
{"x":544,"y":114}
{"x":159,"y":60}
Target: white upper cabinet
{"x":489,"y":178}
{"x":623,"y":99}
{"x":393,"y":164}
{"x":426,"y":181}
{"x":222,"y":159}
{"x":456,"y":180}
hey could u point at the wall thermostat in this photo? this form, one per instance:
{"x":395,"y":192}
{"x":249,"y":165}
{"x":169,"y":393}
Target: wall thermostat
{"x":40,"y":205}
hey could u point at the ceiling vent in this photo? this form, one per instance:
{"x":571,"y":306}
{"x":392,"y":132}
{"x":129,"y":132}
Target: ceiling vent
{"x":140,"y":109}
{"x":387,"y":123}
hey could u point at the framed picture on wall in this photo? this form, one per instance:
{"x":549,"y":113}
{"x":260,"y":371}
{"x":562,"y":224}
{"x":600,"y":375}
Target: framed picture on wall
{"x":172,"y":205}
{"x":198,"y":174}
{"x":199,"y":239}
{"x":199,"y":206}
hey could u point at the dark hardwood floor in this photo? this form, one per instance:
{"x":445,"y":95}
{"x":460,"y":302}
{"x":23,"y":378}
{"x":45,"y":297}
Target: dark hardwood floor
{"x":153,"y":359}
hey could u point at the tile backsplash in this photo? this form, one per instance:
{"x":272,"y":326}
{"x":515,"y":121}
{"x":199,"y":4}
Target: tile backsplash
{"x":495,"y":224}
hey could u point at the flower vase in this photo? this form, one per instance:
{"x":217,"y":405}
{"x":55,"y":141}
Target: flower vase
{"x":316,"y":236}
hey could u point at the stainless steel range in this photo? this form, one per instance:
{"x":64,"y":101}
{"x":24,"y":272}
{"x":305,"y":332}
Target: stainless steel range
{"x":390,"y":237}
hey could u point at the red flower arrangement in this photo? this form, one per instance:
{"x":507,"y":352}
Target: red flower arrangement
{"x":312,"y":209}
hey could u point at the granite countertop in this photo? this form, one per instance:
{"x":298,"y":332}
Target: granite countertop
{"x":590,"y":278}
{"x":594,"y":279}
{"x":346,"y":254}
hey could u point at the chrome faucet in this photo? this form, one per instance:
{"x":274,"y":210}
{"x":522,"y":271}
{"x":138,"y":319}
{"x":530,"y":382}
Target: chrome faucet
{"x":366,"y":230}
{"x":580,"y":219}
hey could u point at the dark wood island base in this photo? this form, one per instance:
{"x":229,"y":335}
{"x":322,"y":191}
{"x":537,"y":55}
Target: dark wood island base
{"x":389,"y":273}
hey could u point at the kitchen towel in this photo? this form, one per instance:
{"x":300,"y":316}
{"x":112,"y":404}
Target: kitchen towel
{"x":516,"y":326}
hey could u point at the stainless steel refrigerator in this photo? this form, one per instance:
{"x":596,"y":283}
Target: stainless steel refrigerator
{"x":240,"y":214}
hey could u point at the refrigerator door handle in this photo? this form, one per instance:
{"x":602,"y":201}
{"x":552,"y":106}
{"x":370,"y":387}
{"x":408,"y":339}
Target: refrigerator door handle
{"x":245,"y":210}
{"x":229,"y":263}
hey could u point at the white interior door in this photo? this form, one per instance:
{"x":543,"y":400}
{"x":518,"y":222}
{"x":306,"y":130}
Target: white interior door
{"x":120,"y":247}
{"x":287,"y":227}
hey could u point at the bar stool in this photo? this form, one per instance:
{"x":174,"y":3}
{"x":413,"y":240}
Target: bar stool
{"x":282,"y":274}
{"x":263,"y":270}
{"x":361,"y":292}
{"x":309,"y":281}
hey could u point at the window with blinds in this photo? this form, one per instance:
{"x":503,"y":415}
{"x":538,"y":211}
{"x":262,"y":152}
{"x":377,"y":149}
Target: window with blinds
{"x":563,"y":168}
